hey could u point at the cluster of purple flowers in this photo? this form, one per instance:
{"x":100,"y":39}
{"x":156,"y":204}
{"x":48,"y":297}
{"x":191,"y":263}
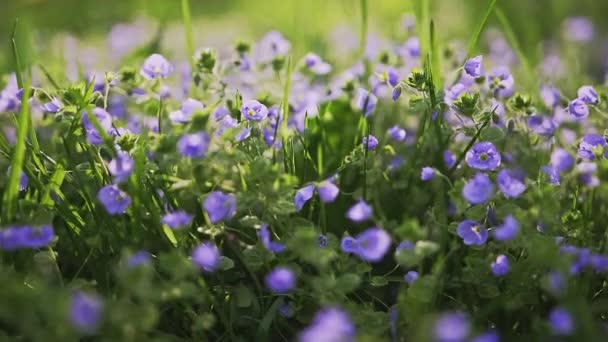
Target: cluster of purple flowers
{"x":26,"y":237}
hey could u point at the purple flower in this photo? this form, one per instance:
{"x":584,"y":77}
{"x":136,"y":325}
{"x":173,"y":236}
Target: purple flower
{"x":449,"y":159}
{"x":370,"y":143}
{"x":452,"y":327}
{"x":271,"y":46}
{"x":54,"y":106}
{"x":328,"y":191}
{"x":553,"y":174}
{"x":411,"y":48}
{"x":286,"y":310}
{"x":509,"y":184}
{"x":13,"y":238}
{"x":410,"y":277}
{"x":561,"y":321}
{"x":556,"y":283}
{"x":220,"y":206}
{"x":501,"y":81}
{"x":349,"y":245}
{"x":479,"y":189}
{"x":177,"y":219}
{"x":85,"y":312}
{"x":316,"y":65}
{"x":264,"y":235}
{"x":253,"y":110}
{"x":105,"y":121}
{"x":578,"y":109}
{"x":550,"y":96}
{"x":586,"y":171}
{"x":483,"y":156}
{"x":372,"y":244}
{"x":474,"y":66}
{"x":397,"y":133}
{"x":280,"y":280}
{"x":359,"y":212}
{"x":588,"y":95}
{"x":578,"y":29}
{"x":562,"y":160}
{"x":508,"y":230}
{"x":184,"y":114}
{"x":193,"y":145}
{"x":323,"y":242}
{"x":396,"y":93}
{"x":365,"y":102}
{"x":242,"y":134}
{"x":114,"y":200}
{"x":156,"y":66}
{"x":303,"y":195}
{"x":453,"y":93}
{"x":490,"y":336}
{"x":542,"y":125}
{"x":500,"y":267}
{"x":599,"y":263}
{"x":405,"y":245}
{"x":23,"y":181}
{"x":427,"y":173}
{"x":139,"y":258}
{"x":206,"y":257}
{"x":330,"y":325}
{"x":472,"y":233}
{"x":121,"y":167}
{"x":590,"y":145}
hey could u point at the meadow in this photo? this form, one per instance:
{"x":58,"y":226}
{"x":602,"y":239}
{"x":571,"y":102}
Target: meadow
{"x":325,"y":171}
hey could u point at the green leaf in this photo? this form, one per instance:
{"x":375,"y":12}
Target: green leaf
{"x":169,"y":234}
{"x":348,"y":282}
{"x":492,"y":134}
{"x":226,"y":263}
{"x":378,"y":281}
{"x":244,"y":296}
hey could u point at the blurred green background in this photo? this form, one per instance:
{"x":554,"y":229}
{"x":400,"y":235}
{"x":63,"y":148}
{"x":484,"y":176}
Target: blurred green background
{"x":304,"y":22}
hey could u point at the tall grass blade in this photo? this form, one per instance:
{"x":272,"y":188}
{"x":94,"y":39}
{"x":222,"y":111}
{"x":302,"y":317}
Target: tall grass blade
{"x":512,"y":39}
{"x":482,"y":24}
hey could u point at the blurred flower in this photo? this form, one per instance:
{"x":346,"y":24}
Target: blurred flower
{"x":578,"y":29}
{"x":54,"y":106}
{"x":242,"y":134}
{"x":483,"y":156}
{"x":500,"y":267}
{"x":286,"y":310}
{"x":253,"y":110}
{"x":474,"y":66}
{"x":303,"y":195}
{"x":479,"y":189}
{"x":449,"y":159}
{"x":271,"y":46}
{"x":114,"y":200}
{"x":156,"y":66}
{"x":349,"y":245}
{"x":121,"y":166}
{"x":184,"y":114}
{"x":590,"y":145}
{"x":359,"y":212}
{"x":280,"y":280}
{"x":139,"y":258}
{"x":105,"y":121}
{"x":508,"y":230}
{"x":452,"y":327}
{"x":328,"y":191}
{"x":315,"y":64}
{"x":330,"y":324}
{"x":490,"y":336}
{"x":13,"y":238}
{"x":85,"y":312}
{"x":206,"y":257}
{"x":427,"y":173}
{"x":373,"y":244}
{"x":561,"y":322}
{"x":578,"y":109}
{"x":556,"y":283}
{"x":586,"y":171}
{"x":323,"y":242}
{"x":370,"y":142}
{"x":397,"y":133}
{"x":501,"y":81}
{"x":550,"y":96}
{"x":219,"y":206}
{"x":177,"y":219}
{"x":542,"y":125}
{"x":365,"y":102}
{"x":588,"y":95}
{"x":264,"y":235}
{"x":193,"y":145}
{"x":410,"y":277}
{"x":553,"y":174}
{"x":453,"y":93}
{"x":509,"y":184}
{"x":472,"y":233}
{"x":562,"y":160}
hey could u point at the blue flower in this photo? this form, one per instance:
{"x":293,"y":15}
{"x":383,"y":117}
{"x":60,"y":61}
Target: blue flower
{"x":397,"y":133}
{"x":427,"y":173}
{"x":188,"y":108}
{"x":396,"y":93}
{"x":280,"y":280}
{"x":373,"y":244}
{"x":490,"y":336}
{"x":253,"y":110}
{"x":509,"y":184}
{"x":410,"y":277}
{"x":371,"y":143}
{"x":561,"y":322}
{"x":264,"y":235}
{"x":359,"y":212}
{"x":219,"y":206}
{"x":365,"y":102}
{"x":553,"y":174}
{"x":193,"y":145}
{"x":453,"y":93}
{"x":323,"y":242}
{"x":501,"y":81}
{"x":452,"y":327}
{"x":328,"y":191}
{"x":105,"y":121}
{"x":139,"y":258}
{"x":472,"y":233}
{"x":156,"y":66}
{"x":405,"y":245}
{"x":26,"y":237}
{"x":500,"y":267}
{"x":508,"y":230}
{"x":550,"y":96}
{"x":271,"y":46}
{"x":54,"y":106}
{"x":329,"y":324}
{"x":588,"y":95}
{"x":590,"y":145}
{"x":479,"y":189}
{"x":121,"y":167}
{"x":578,"y":29}
{"x":303,"y":195}
{"x":556,"y":283}
{"x":177,"y":219}
{"x":206,"y":257}
{"x":578,"y":109}
{"x":85,"y":312}
{"x":349,"y":245}
{"x":562,"y":160}
{"x":114,"y":200}
{"x":449,"y":159}
{"x":483,"y":156}
{"x":542,"y":125}
{"x":474,"y":66}
{"x":243,"y":134}
{"x":316,"y":65}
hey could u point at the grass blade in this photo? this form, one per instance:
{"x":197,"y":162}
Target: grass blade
{"x":364,"y":28}
{"x":512,"y":39}
{"x":479,"y":29}
{"x":435,"y":61}
{"x":188,"y":29}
